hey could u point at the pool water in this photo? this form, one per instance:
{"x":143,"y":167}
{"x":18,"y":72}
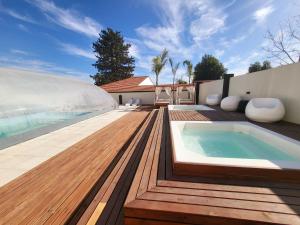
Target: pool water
{"x":230,"y":144}
{"x":20,"y":124}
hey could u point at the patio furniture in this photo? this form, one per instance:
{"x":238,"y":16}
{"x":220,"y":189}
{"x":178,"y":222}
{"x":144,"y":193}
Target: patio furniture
{"x":214,"y":99}
{"x":185,"y":100}
{"x":129,"y":103}
{"x":230,"y":103}
{"x":163,"y":101}
{"x":136,"y":102}
{"x":265,"y":110}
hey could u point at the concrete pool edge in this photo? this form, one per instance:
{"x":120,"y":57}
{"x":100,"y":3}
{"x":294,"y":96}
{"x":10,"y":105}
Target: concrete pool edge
{"x":191,"y":164}
{"x":18,"y":159}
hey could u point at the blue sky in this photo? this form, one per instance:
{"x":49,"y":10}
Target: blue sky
{"x":56,"y":36}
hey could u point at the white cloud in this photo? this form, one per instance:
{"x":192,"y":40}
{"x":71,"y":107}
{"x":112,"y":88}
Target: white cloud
{"x":16,"y":15}
{"x":206,"y":26}
{"x":134,"y":51}
{"x":18,"y":51}
{"x":261,"y":14}
{"x":209,"y":19}
{"x":67,"y":18}
{"x":219,"y":53}
{"x":74,"y":50}
{"x":41,"y":66}
{"x":239,"y":65}
{"x":184,"y":25}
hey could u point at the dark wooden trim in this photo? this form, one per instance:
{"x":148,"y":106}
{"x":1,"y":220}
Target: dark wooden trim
{"x":231,"y":172}
{"x":226,"y":82}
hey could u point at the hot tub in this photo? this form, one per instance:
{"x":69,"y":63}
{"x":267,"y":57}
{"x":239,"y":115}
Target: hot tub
{"x":233,"y":149}
{"x":189,"y":107}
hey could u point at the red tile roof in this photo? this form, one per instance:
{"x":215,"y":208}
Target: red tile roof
{"x":132,"y":85}
{"x":128,"y":85}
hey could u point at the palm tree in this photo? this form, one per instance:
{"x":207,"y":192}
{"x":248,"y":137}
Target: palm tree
{"x":174,"y":68}
{"x":189,"y":69}
{"x":158,"y":63}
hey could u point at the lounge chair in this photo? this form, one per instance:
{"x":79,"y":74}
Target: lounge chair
{"x":213,"y":99}
{"x":129,"y":103}
{"x":189,"y":100}
{"x":230,"y":103}
{"x":136,"y":102}
{"x":265,"y":110}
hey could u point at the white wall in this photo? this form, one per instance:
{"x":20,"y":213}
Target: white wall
{"x":209,"y":88}
{"x":147,"y":81}
{"x":147,"y":98}
{"x":282,"y":82}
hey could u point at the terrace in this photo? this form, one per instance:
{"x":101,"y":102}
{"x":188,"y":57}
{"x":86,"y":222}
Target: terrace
{"x":132,"y":180}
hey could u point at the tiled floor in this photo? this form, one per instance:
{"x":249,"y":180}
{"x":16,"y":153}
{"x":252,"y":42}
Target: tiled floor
{"x":20,"y":158}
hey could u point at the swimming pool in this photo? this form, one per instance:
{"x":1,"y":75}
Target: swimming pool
{"x":229,"y":148}
{"x":23,"y":123}
{"x":19,"y":128}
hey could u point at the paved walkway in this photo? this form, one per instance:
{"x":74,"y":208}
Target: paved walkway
{"x":20,"y":158}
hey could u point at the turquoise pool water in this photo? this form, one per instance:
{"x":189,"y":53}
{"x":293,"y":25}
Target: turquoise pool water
{"x":230,"y":144}
{"x":24,"y":123}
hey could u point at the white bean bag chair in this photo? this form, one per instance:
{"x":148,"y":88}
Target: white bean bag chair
{"x":230,"y":103}
{"x":265,"y":110}
{"x":213,"y":99}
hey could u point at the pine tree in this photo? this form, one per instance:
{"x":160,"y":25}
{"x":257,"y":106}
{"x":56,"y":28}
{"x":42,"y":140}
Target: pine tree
{"x":113,"y":61}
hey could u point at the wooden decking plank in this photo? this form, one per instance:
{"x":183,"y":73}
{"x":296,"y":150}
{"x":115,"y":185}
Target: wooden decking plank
{"x":97,"y":203}
{"x":143,"y":185}
{"x":228,"y":187}
{"x":139,"y":174}
{"x":229,"y":195}
{"x":136,"y":221}
{"x":48,"y":189}
{"x":199,"y":214}
{"x":200,"y":200}
{"x":116,"y":200}
{"x":159,"y":143}
{"x":222,"y":203}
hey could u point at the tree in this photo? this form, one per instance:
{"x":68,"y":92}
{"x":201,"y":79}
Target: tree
{"x":209,"y":69}
{"x":181,"y":81}
{"x":158,"y":63}
{"x":189,"y":69}
{"x":113,"y":60}
{"x":284,"y":45}
{"x":174,"y":68}
{"x":266,"y":65}
{"x":258,"y":67}
{"x":254,"y":67}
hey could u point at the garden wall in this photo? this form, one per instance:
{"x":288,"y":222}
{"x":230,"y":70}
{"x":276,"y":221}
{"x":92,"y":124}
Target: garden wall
{"x":281,"y":82}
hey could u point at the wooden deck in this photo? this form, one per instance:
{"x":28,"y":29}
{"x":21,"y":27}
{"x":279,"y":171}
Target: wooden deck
{"x":124,"y":171}
{"x":158,"y":196}
{"x":77,"y":185}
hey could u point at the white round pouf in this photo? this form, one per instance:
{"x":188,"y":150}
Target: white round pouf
{"x":230,"y":103}
{"x":265,"y":110}
{"x":213,"y":99}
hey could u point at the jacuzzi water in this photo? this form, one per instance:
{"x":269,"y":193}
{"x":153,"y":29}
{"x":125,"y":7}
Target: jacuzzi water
{"x":230,"y":144}
{"x":25,"y":123}
{"x":234,"y":144}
